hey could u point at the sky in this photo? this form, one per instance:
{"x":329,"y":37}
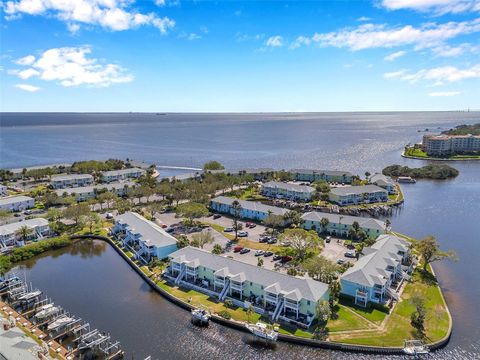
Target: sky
{"x":239,"y":56}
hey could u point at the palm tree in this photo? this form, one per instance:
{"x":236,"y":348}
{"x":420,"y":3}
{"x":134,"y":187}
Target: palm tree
{"x":24,"y":232}
{"x":324,"y":222}
{"x":367,"y":175}
{"x":237,"y":209}
{"x":387,"y":225}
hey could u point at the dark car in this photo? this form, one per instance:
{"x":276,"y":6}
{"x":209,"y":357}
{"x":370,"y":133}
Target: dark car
{"x":244,"y":251}
{"x":272,"y":241}
{"x":350,"y":254}
{"x":286,"y":258}
{"x":267,"y":253}
{"x":216,"y":216}
{"x":277,"y":257}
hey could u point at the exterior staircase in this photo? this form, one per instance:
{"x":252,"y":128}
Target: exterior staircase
{"x":224,"y":291}
{"x":278,"y":309}
{"x":181,"y":274}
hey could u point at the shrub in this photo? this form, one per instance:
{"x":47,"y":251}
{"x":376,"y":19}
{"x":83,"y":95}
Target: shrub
{"x":225,"y":314}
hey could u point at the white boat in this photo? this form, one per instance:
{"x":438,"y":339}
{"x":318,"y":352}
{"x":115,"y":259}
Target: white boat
{"x":406,"y":179}
{"x":201,"y":315}
{"x":46,"y":311}
{"x":415,"y":347}
{"x":262,"y":331}
{"x":30,"y":295}
{"x":59,"y":323}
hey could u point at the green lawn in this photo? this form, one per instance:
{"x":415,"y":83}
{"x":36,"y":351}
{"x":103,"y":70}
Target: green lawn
{"x":422,"y":154}
{"x":374,"y":315}
{"x":397,"y":327}
{"x":415,"y":152}
{"x":348,"y":319}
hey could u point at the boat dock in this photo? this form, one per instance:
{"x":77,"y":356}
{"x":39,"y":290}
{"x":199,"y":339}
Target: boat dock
{"x":52,"y":326}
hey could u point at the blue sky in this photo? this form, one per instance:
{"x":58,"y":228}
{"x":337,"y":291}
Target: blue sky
{"x":201,"y":56}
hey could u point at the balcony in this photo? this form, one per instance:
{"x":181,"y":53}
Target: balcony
{"x":236,"y":286}
{"x":273,"y":299}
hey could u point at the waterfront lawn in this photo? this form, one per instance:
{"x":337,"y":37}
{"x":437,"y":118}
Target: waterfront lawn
{"x":415,"y":152}
{"x":370,"y":313}
{"x":397,"y":327}
{"x":347,"y":319}
{"x":198,"y":299}
{"x":422,"y":154}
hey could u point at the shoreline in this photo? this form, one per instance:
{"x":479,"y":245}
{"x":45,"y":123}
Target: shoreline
{"x":329,"y":345}
{"x":435,"y":159}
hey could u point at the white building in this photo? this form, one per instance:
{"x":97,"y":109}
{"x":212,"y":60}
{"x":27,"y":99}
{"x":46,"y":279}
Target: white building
{"x":9,"y":235}
{"x":385,"y":182}
{"x":281,"y":190}
{"x":71,"y":181}
{"x":450,"y":144}
{"x":16,"y":203}
{"x":354,"y":195}
{"x":90,"y":192}
{"x":145,"y":238}
{"x":124,"y":174}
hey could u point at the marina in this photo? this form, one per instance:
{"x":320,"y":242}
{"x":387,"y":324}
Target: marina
{"x":56,"y":330}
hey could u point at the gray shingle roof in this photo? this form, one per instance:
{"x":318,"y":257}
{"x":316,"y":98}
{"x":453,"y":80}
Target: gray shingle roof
{"x":251,"y":205}
{"x":14,"y":199}
{"x":326,"y":172}
{"x":370,"y":269}
{"x":148,"y":230}
{"x":89,"y":189}
{"x":289,"y":187}
{"x":368,"y":223}
{"x":13,"y":227}
{"x":381,"y":179}
{"x":122,"y":171}
{"x":308,"y":289}
{"x":356,"y":190}
{"x":66,"y":177}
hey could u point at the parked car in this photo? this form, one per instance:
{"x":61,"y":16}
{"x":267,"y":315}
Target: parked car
{"x":286,"y":258}
{"x":272,"y":241}
{"x":27,"y":212}
{"x":244,"y":251}
{"x":251,"y":225}
{"x":228,"y":229}
{"x":259,"y":253}
{"x":242,"y":233}
{"x":17,"y":214}
{"x":277,"y":257}
{"x":109,"y":216}
{"x":237,"y":249}
{"x":350,"y":254}
{"x":164,"y":226}
{"x":170,"y":230}
{"x":217,"y":216}
{"x":341,"y":261}
{"x":328,"y":239}
{"x":267,"y":253}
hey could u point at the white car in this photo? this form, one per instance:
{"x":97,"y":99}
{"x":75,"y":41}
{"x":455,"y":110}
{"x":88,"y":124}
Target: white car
{"x":109,"y":216}
{"x":243,"y":233}
{"x":259,"y":252}
{"x":228,"y":229}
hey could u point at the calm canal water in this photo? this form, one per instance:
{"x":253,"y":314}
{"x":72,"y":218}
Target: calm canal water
{"x":94,"y":283}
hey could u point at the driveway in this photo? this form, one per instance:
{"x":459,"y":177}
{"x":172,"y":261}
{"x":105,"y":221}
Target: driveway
{"x":225,"y":221}
{"x":335,"y":250}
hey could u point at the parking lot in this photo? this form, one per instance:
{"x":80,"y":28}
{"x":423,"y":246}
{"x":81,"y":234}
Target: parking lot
{"x":224,"y":221}
{"x":335,"y":250}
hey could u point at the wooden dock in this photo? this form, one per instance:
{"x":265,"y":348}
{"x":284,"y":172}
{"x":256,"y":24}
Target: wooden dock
{"x":30,"y":329}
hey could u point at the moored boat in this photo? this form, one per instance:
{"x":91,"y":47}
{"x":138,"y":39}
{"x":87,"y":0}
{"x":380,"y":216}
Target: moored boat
{"x":201,"y":315}
{"x":46,"y":311}
{"x":262,"y":331}
{"x":30,"y":295}
{"x":415,"y":347}
{"x":406,"y":180}
{"x":59,"y":323}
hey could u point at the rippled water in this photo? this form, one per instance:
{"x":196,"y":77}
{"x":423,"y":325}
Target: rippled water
{"x":103,"y":289}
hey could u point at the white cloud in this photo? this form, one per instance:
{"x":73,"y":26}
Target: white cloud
{"x":240,"y":37}
{"x":113,"y":15}
{"x":454,"y":51}
{"x":394,"y":55}
{"x":299,"y":41}
{"x":189,"y":36}
{"x":444,"y":93}
{"x":438,"y":7}
{"x":27,"y":60}
{"x":160,"y":2}
{"x":26,"y":87}
{"x":363,"y":19}
{"x":71,"y":66}
{"x":367,"y":36}
{"x":438,"y":75}
{"x":274,"y":41}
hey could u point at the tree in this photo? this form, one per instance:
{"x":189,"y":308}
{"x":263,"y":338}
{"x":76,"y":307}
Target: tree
{"x":367,"y":175}
{"x":293,"y":217}
{"x":93,"y":220}
{"x":192,"y":210}
{"x":322,"y":313}
{"x":335,"y":289}
{"x":430,"y":252}
{"x":321,"y":269}
{"x":417,"y":318}
{"x":183,"y":242}
{"x":324,"y":223}
{"x":106,"y":198}
{"x":24,"y":232}
{"x":237,"y":211}
{"x":250,"y":311}
{"x":76,"y":212}
{"x":356,"y":232}
{"x":301,"y":241}
{"x":388,"y":223}
{"x":202,"y":238}
{"x":213,"y":165}
{"x":274,"y":222}
{"x":51,"y":199}
{"x":217,"y":249}
{"x":54,"y":214}
{"x":122,"y":206}
{"x":260,"y":262}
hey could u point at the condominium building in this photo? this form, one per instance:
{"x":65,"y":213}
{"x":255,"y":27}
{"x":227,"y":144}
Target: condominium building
{"x":248,"y":209}
{"x":354,"y":195}
{"x":378,"y":274}
{"x":383,"y":181}
{"x":340,"y":225}
{"x":10,"y":233}
{"x":273,"y":294}
{"x":16,"y":203}
{"x":143,"y":237}
{"x":71,"y":181}
{"x":124,"y":174}
{"x":330,"y":176}
{"x":450,"y":144}
{"x":281,"y":190}
{"x":90,"y":192}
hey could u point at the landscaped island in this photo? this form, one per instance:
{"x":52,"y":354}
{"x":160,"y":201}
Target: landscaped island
{"x":436,"y":172}
{"x":248,"y":244}
{"x":459,"y":143}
